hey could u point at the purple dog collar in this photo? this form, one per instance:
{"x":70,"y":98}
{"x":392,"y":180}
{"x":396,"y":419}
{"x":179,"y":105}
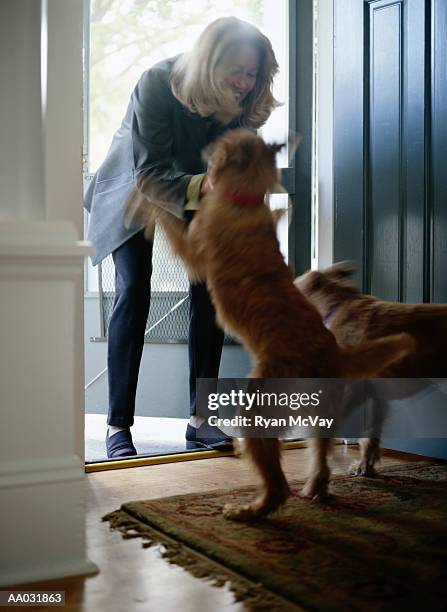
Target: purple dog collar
{"x":330,"y":314}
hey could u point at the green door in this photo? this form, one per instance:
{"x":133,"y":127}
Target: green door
{"x":390,"y":145}
{"x":390,"y":153}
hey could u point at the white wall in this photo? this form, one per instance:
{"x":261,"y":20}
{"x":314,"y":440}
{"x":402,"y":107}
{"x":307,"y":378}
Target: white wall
{"x":42,"y":477}
{"x":21,"y":147}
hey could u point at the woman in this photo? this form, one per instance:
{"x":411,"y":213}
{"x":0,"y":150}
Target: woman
{"x":177,"y":107}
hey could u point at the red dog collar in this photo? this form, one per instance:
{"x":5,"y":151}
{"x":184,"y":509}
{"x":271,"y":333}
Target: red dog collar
{"x":246,"y":200}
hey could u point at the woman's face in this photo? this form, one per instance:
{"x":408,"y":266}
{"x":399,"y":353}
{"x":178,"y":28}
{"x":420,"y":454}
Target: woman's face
{"x":243,"y":71}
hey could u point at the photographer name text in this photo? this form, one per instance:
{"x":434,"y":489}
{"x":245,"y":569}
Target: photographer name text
{"x":266,"y":423}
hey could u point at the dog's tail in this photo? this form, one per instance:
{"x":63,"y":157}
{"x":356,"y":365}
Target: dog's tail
{"x":373,"y":356}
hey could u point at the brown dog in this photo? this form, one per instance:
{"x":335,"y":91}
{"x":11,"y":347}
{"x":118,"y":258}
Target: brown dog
{"x":354,"y":318}
{"x":231,"y":243}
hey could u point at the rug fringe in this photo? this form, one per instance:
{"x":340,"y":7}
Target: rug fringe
{"x":254,"y":596}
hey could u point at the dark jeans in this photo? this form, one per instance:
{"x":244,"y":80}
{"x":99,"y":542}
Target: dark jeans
{"x":133,"y":266}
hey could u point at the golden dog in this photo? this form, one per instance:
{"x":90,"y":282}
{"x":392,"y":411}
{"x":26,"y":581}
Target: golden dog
{"x":231,"y":243}
{"x":354,"y":318}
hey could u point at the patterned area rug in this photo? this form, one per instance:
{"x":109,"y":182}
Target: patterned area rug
{"x":378,"y":544}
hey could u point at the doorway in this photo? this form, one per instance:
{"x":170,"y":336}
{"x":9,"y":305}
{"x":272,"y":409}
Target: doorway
{"x":117,"y":50}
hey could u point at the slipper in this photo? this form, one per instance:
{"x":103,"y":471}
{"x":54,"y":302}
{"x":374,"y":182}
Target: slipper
{"x":120,"y":444}
{"x":207,"y":436}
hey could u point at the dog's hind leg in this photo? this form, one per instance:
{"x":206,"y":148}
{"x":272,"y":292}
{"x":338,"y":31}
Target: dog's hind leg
{"x":369,"y":456}
{"x":265,"y":454}
{"x":370,"y":446}
{"x":316,"y":486}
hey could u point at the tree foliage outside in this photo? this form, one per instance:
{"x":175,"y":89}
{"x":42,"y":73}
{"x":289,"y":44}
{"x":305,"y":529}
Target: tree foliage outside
{"x":128,"y":36}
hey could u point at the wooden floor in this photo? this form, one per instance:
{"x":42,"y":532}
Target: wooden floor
{"x":131,"y":578}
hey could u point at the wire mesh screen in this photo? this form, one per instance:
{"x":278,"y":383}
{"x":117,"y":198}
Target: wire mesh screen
{"x":168,"y":319}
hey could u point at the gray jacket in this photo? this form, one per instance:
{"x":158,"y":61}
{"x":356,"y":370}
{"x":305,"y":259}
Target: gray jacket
{"x":158,"y":135}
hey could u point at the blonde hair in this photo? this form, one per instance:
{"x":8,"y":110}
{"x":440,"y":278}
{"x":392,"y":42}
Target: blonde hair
{"x":197,"y":78}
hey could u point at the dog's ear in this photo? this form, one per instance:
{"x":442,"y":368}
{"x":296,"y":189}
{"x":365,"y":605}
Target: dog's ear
{"x":293,"y":142}
{"x":215,"y":155}
{"x":275,"y":148}
{"x":208,"y":151}
{"x":341,"y":270}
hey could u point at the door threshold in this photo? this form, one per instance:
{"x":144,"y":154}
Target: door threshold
{"x":141,"y":460}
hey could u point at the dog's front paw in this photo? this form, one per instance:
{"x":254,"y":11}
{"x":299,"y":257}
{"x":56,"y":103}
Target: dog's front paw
{"x":363,"y":468}
{"x":264,"y":505}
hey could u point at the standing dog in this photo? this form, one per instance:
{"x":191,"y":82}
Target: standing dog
{"x":231,"y":243}
{"x":355,"y":318}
